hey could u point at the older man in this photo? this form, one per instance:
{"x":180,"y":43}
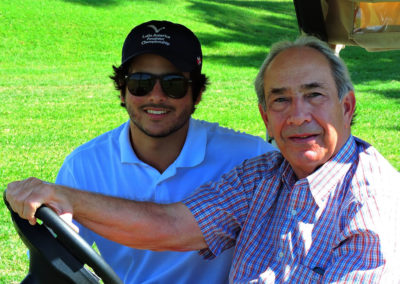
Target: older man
{"x":314,"y":212}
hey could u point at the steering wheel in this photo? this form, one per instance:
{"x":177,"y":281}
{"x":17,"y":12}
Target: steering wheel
{"x":57,"y":254}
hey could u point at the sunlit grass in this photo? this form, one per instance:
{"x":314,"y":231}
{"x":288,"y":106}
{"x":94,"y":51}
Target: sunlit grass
{"x":56,"y":56}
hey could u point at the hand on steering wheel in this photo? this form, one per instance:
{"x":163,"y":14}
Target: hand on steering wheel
{"x":59,"y":256}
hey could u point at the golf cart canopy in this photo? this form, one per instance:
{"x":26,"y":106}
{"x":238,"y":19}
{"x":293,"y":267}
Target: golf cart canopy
{"x":373,"y":25}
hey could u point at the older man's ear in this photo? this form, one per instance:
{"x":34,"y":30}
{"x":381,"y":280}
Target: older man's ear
{"x":264,"y":117}
{"x":349,"y":106}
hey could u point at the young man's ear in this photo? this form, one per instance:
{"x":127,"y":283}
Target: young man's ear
{"x":349,"y":106}
{"x":198,"y":99}
{"x":122,"y":96}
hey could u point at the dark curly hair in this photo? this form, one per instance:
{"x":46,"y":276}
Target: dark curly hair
{"x":199,"y":81}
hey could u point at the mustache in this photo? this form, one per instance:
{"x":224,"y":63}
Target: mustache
{"x":302,"y":130}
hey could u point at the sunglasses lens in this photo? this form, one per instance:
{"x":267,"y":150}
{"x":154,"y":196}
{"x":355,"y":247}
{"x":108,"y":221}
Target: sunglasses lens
{"x":140,"y":84}
{"x":175,"y":86}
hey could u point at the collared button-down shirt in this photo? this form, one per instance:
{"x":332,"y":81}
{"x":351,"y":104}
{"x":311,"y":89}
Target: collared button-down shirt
{"x":328,"y":227}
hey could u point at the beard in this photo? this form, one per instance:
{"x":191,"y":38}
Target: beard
{"x":176,"y":125}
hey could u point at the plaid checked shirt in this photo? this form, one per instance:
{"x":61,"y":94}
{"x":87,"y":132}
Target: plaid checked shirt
{"x":340,"y":224}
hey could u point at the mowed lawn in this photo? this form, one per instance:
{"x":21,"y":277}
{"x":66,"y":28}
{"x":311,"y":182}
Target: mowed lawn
{"x":56,"y":56}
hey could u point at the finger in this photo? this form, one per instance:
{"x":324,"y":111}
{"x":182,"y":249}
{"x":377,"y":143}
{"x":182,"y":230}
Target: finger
{"x":36,"y":194}
{"x":16,"y":195}
{"x":29,"y":211}
{"x":24,"y":198}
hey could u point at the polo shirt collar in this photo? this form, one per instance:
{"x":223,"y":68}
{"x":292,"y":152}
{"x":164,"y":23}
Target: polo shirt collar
{"x":194,"y":150}
{"x":126,"y":151}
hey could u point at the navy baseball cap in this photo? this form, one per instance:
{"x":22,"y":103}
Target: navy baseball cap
{"x":173,"y":41}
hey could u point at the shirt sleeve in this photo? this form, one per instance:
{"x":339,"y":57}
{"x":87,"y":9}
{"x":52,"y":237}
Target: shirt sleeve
{"x":220,"y":209}
{"x":358,"y":256}
{"x":66,"y":177}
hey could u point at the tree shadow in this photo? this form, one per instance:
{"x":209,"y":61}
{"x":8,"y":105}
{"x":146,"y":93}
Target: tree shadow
{"x":263,"y":29}
{"x":264,"y":23}
{"x":369,"y":67}
{"x":96,"y":3}
{"x":391,"y":94}
{"x":395,"y":128}
{"x":245,"y":28}
{"x":369,"y":64}
{"x":101,"y":3}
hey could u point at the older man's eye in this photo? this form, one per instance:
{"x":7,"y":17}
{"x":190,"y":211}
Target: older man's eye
{"x":314,"y":95}
{"x":280,"y":100}
{"x":278,"y":103}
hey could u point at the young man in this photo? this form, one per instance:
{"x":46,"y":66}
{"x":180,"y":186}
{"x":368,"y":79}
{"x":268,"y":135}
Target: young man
{"x":158,"y":150}
{"x":323,"y":210}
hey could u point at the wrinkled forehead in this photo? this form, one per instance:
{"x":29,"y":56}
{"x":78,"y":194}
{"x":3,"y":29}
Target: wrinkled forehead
{"x":297,"y":67}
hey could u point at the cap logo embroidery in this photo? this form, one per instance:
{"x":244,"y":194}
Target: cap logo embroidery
{"x":155,"y":28}
{"x":156,"y":37}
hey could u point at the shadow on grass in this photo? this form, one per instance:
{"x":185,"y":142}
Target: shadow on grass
{"x":95,"y":2}
{"x":279,"y":22}
{"x":393,"y":128}
{"x":369,"y":67}
{"x":262,"y":24}
{"x":391,"y":94}
{"x":245,"y":27}
{"x":101,"y":3}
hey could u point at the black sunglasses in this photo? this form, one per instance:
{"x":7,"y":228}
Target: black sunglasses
{"x":174,"y":85}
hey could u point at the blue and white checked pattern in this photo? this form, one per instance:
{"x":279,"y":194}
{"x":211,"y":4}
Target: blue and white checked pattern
{"x":324,"y":228}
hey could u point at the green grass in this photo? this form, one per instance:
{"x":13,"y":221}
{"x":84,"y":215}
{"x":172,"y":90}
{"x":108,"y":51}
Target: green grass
{"x":56,"y":55}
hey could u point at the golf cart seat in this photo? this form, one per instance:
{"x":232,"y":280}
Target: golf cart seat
{"x":371,"y":24}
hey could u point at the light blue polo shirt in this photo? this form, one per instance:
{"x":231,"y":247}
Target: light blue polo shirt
{"x":108,"y":165}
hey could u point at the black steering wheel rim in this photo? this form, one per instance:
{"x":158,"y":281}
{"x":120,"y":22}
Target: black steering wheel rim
{"x":66,"y":239}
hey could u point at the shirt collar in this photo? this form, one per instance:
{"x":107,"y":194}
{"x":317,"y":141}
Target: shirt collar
{"x":322,"y":181}
{"x":194,"y":149}
{"x":288,"y":176}
{"x":127,"y":153}
{"x":192,"y":153}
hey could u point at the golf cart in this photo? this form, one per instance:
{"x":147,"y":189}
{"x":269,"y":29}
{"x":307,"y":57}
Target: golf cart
{"x":370,"y":24}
